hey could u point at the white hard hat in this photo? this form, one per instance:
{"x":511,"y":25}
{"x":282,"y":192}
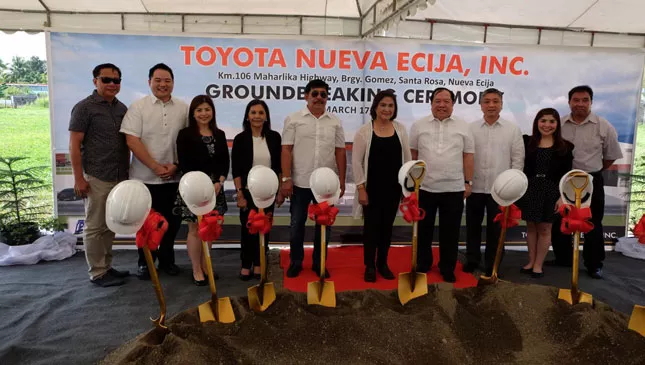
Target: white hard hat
{"x":411,"y":170}
{"x":509,"y":187}
{"x":263,"y":185}
{"x":198,"y":192}
{"x":568,"y":193}
{"x":127,"y":207}
{"x":325,"y":185}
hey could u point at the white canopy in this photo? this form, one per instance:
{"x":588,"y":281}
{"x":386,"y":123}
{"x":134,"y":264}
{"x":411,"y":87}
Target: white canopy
{"x":523,"y":21}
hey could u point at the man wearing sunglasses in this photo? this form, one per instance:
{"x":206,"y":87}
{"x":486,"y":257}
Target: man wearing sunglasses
{"x":100,"y":160}
{"x":151,"y":127}
{"x":311,"y":138}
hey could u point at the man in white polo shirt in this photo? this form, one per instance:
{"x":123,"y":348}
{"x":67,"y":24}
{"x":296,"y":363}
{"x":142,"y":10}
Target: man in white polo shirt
{"x":596,"y":148}
{"x":311,"y":138}
{"x":151,"y":126}
{"x":498,"y":147}
{"x":446,"y":145}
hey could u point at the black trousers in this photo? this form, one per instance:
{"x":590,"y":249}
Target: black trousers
{"x":451,"y":207}
{"x":476,"y":203}
{"x":594,"y":241}
{"x":163,"y":201}
{"x":250,"y":243}
{"x":379,"y":217}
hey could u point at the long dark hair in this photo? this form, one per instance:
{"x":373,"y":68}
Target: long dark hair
{"x":389,"y":93}
{"x":559,"y":143}
{"x":246,"y":123}
{"x":197,"y":101}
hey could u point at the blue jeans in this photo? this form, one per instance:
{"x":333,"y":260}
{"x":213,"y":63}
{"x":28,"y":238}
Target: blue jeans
{"x":299,"y":204}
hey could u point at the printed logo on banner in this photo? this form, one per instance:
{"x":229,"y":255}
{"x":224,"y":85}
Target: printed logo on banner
{"x":80,"y":224}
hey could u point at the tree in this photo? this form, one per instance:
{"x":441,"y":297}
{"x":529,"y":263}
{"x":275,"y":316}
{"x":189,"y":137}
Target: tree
{"x":3,"y":69}
{"x":29,"y":71}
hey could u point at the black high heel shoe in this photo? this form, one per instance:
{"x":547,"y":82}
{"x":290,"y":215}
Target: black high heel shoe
{"x":199,"y":282}
{"x":247,"y":277}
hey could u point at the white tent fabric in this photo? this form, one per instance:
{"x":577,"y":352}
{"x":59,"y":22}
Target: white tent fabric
{"x":570,"y":22}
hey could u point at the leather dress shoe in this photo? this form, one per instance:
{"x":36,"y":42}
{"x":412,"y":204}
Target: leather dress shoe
{"x":118,"y":274}
{"x":143,"y":273}
{"x":386,"y":273}
{"x":293,"y":270}
{"x":107,"y":280}
{"x":370,"y":275}
{"x":595,"y":273}
{"x":316,"y":269}
{"x":172,"y":269}
{"x":449,"y":277}
{"x":470,"y":267}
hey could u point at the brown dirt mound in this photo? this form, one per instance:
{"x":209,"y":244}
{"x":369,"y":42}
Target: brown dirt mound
{"x":502,"y":324}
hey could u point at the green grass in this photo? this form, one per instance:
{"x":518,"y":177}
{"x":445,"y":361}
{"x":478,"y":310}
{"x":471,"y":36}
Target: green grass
{"x":25,"y":132}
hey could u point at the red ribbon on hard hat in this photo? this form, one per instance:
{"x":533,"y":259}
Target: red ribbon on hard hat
{"x":514,"y":216}
{"x":259,"y":222}
{"x":210,"y":228}
{"x":152,"y":231}
{"x":639,"y":230}
{"x":323,"y":213}
{"x":575,"y":219}
{"x":410,"y":209}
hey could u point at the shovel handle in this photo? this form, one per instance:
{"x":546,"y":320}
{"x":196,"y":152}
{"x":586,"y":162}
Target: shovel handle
{"x":575,"y":292}
{"x":263,"y":260}
{"x":323,"y":251}
{"x":500,"y":243}
{"x":209,"y":267}
{"x":160,"y":322}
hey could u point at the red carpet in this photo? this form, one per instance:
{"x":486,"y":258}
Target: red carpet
{"x":345,"y":265}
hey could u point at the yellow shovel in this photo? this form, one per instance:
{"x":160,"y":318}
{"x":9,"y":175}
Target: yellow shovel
{"x":219,"y":310}
{"x":493,"y":279}
{"x":573,"y":295}
{"x":161,"y":321}
{"x":322,"y":292}
{"x":637,"y":320}
{"x":261,"y":296}
{"x":413,"y":284}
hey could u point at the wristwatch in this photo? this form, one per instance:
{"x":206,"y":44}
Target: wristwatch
{"x":286,"y":178}
{"x":469,"y":182}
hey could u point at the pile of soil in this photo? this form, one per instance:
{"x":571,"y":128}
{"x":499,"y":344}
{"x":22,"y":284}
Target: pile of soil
{"x":502,"y":324}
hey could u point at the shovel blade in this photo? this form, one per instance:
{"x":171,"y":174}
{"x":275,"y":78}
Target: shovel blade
{"x":637,"y":320}
{"x":268,"y":297}
{"x":566,"y":295}
{"x":406,"y":291}
{"x":328,"y":297}
{"x":487,"y":280}
{"x":224,"y":313}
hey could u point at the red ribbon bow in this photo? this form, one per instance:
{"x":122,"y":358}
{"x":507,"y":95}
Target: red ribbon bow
{"x":639,"y":230}
{"x":152,"y":231}
{"x":514,"y":216}
{"x":323,"y":213}
{"x":210,"y":228}
{"x":410,"y":209}
{"x":575,"y":219}
{"x":259,"y":222}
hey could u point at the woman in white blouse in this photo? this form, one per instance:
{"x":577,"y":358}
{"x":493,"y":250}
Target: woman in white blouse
{"x":258,"y":144}
{"x":379,"y":150}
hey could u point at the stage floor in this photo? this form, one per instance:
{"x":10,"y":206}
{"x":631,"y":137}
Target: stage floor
{"x":51,"y":314}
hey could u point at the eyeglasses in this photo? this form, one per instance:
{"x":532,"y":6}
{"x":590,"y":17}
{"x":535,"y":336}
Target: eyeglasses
{"x":322,"y":94}
{"x":107,"y":80}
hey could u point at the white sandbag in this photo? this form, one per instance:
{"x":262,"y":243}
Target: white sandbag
{"x":630,"y":247}
{"x":56,"y":247}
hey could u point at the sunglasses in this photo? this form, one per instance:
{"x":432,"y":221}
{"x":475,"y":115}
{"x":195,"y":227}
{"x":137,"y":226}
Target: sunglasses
{"x":322,"y":94}
{"x":107,"y":80}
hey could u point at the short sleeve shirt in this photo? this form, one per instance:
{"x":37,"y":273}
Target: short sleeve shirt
{"x":442,"y":144}
{"x":157,"y":124}
{"x":314,"y":143}
{"x":104,"y":152}
{"x":594,"y":140}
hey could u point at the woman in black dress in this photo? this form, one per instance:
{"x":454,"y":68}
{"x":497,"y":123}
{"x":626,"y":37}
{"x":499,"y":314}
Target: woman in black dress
{"x":548,"y":158}
{"x":258,"y":144}
{"x":379,"y":150}
{"x":201,"y":147}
